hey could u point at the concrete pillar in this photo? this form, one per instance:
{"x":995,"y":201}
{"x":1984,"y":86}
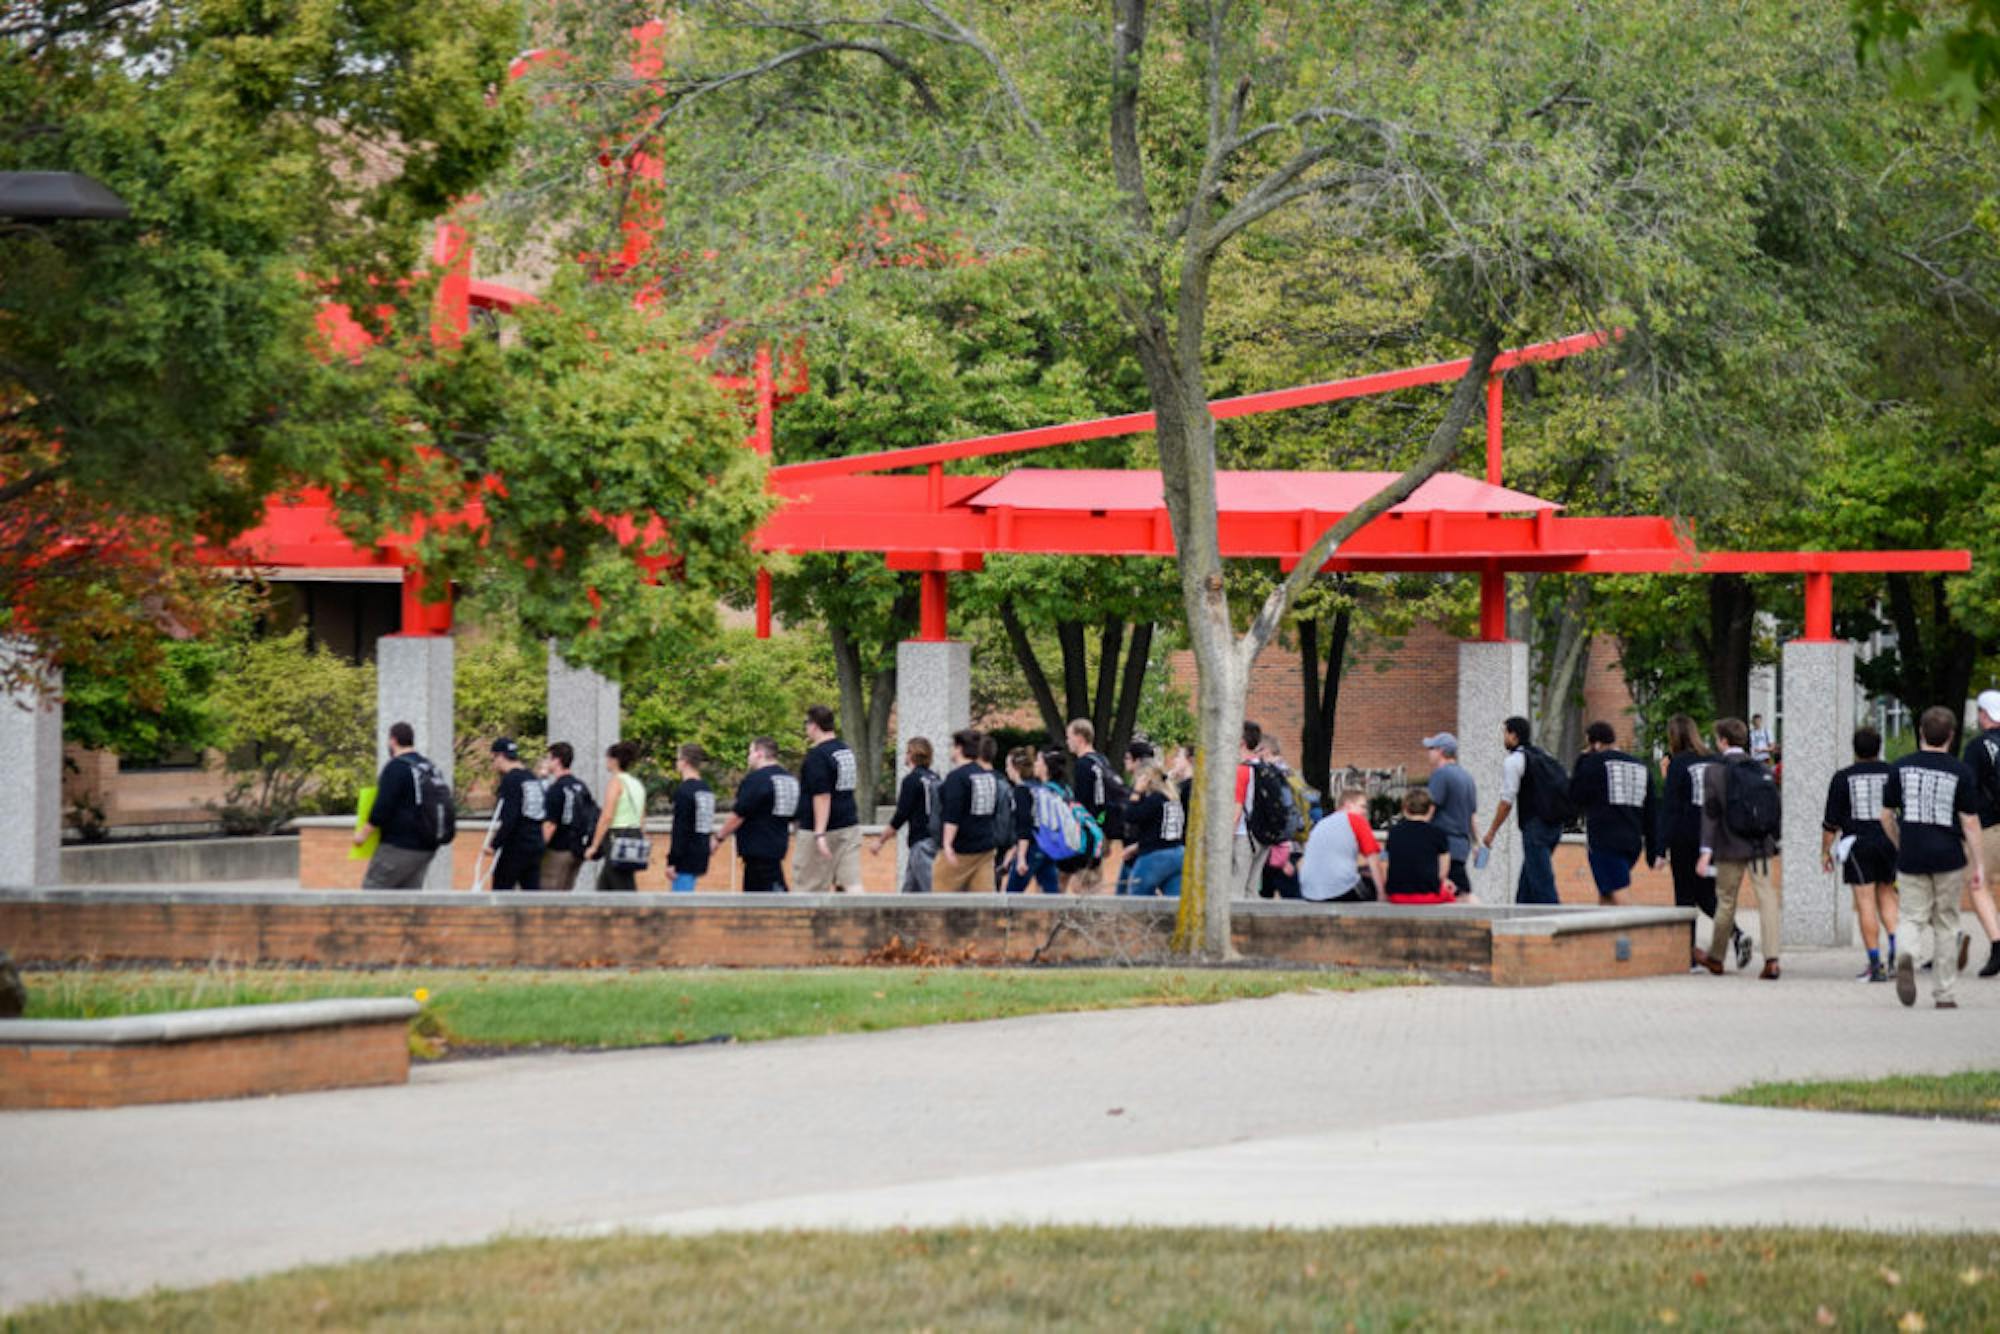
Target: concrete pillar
{"x":1819,"y":723}
{"x":31,"y":720}
{"x":1492,"y":687}
{"x":585,"y":710}
{"x":413,"y":684}
{"x":933,"y":700}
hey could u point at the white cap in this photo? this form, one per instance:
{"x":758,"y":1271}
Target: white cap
{"x":1989,"y":704}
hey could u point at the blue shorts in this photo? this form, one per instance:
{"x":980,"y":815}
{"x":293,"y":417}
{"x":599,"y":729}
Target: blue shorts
{"x":1611,"y":870}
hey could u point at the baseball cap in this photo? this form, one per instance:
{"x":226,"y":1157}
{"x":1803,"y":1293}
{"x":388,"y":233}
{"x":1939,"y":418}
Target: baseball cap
{"x":1447,"y":743}
{"x":505,"y":746}
{"x":1989,"y":700}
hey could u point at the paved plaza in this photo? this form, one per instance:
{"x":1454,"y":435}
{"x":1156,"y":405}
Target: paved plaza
{"x":1440,"y":1103}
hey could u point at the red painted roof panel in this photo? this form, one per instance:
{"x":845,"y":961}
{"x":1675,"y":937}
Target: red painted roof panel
{"x":1088,"y":489}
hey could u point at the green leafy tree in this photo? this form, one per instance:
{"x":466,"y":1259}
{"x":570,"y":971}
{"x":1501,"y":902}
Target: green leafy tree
{"x":297,"y":730}
{"x":158,"y":376}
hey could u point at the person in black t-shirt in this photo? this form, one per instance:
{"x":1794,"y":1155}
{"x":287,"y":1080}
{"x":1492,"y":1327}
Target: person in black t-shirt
{"x":1688,"y":767}
{"x":966,"y":804}
{"x":828,"y":851}
{"x":1100,"y":793}
{"x":1025,"y":861}
{"x":688,"y":847}
{"x":1157,"y":827}
{"x":515,"y":839}
{"x":916,"y":810}
{"x":1867,"y":858}
{"x":1615,"y":794}
{"x":767,"y":801}
{"x":1419,"y":855}
{"x":404,"y":855}
{"x":562,"y":856}
{"x":1982,"y":756}
{"x":1931,"y":813}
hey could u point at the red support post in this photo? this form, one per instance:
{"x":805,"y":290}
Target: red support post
{"x":421,"y":617}
{"x":451,"y":308}
{"x":1494,"y":392}
{"x":931,"y":610}
{"x":766,"y":402}
{"x":1493,"y":604}
{"x":763,"y":603}
{"x":1819,"y":607}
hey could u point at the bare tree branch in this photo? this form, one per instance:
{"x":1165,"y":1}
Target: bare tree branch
{"x":964,"y":36}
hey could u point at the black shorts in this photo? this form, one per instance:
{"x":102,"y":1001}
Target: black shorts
{"x":515,"y":869}
{"x":764,"y":875}
{"x":1871,"y":861}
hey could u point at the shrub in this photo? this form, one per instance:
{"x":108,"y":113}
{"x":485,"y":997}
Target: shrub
{"x":297,"y":728}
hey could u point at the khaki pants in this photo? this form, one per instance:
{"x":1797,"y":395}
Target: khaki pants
{"x":1930,"y":905}
{"x":972,"y":873}
{"x":1770,"y":911}
{"x":814,"y":872}
{"x":559,"y":870}
{"x":1246,"y":867}
{"x":1989,"y":852}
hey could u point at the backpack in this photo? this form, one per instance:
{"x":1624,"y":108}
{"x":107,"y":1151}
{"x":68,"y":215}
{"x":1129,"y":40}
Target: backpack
{"x":1545,"y":788}
{"x":437,"y":817}
{"x":1750,"y":807}
{"x":1300,"y":796}
{"x":582,"y":810}
{"x":1004,"y":836}
{"x":1271,"y":812}
{"x":1063,"y":828}
{"x":931,"y":783}
{"x":1989,"y":772}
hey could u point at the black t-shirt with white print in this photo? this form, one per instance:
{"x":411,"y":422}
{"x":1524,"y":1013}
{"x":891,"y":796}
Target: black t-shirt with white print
{"x":1100,"y":792}
{"x":915,"y":798}
{"x":1854,"y":802}
{"x":1615,"y":793}
{"x":967,"y":801}
{"x":694,"y":826}
{"x":1680,"y":798}
{"x":1152,"y":823}
{"x":768,"y":801}
{"x":1929,"y":791}
{"x":829,"y":770}
{"x":560,"y":798}
{"x":1982,"y":756}
{"x":519,"y":812}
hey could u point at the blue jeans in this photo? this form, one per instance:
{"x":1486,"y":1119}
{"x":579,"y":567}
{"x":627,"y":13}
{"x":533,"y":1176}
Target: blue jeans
{"x":1040,"y":870}
{"x":684,"y":882}
{"x":1158,"y":872}
{"x":1538,"y":865}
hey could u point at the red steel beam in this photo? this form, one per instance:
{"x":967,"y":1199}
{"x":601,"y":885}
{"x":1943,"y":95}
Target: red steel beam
{"x":1135,"y":423}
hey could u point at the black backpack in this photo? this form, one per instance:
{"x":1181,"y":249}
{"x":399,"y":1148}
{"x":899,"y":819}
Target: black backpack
{"x":1003,"y":815}
{"x":437,"y":815}
{"x":1989,"y":772}
{"x":1545,"y":788}
{"x":578,"y":813}
{"x":1270,"y":806}
{"x":1750,"y":808}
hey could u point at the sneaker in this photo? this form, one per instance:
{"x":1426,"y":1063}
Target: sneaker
{"x":1946,"y":1004}
{"x":1964,"y":949}
{"x":1992,"y":968}
{"x":1742,"y":944}
{"x":1906,"y":981}
{"x":1874,"y":972}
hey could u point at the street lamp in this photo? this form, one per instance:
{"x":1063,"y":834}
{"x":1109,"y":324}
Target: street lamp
{"x":43,"y":196}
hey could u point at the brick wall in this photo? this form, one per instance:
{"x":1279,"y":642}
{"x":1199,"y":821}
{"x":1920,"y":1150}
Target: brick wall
{"x":245,"y":1066}
{"x":381,"y":930}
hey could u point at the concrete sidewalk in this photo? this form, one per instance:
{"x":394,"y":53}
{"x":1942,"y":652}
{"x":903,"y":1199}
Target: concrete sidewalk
{"x":117,"y":1200}
{"x":1635,"y":1161}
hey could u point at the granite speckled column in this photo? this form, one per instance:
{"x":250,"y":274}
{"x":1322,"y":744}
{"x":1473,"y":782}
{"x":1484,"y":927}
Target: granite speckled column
{"x":31,"y":721}
{"x":1492,"y":687}
{"x":413,"y":684}
{"x":933,"y":700}
{"x":1817,"y":740}
{"x":585,"y":710}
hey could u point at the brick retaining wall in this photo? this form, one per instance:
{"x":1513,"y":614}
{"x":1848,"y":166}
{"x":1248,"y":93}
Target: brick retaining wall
{"x":551,"y":931}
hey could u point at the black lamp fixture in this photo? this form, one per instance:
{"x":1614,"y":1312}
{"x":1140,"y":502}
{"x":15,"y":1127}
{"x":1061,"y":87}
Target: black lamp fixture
{"x":47,"y":196}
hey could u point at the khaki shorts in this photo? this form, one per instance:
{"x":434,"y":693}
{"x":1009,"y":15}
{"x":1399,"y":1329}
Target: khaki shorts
{"x":559,"y":870}
{"x":814,"y":872}
{"x":1989,"y":853}
{"x":972,"y":873}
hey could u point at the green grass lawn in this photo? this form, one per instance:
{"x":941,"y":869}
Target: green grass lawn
{"x":1487,"y":1277}
{"x":1971,"y":1095}
{"x":503,"y":1008}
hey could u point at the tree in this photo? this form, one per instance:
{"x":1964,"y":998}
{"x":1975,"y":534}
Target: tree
{"x":1537,"y":165}
{"x":1948,"y":51}
{"x":157,"y":376}
{"x":297,"y":730}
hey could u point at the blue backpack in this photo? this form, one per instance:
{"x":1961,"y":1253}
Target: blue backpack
{"x":1063,"y":829}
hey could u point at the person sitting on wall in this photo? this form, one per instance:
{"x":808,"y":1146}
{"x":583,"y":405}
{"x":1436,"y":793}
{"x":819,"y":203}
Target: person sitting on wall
{"x":1419,"y":855}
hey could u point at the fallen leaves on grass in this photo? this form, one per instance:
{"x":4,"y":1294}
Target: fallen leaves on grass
{"x":922,"y":954}
{"x":1825,"y":1318}
{"x":1912,"y":1323}
{"x":1891,"y":1277}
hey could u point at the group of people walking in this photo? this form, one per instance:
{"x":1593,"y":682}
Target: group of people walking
{"x":1909,"y":838}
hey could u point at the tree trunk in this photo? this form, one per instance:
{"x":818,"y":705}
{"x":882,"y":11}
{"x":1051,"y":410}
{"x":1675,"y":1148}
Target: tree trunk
{"x":1110,"y":642}
{"x":1138,"y":660}
{"x":1031,"y":668}
{"x":1732,"y":616}
{"x":1076,"y":671}
{"x":853,"y":721}
{"x":1560,"y":715}
{"x":1321,"y":699}
{"x":1934,"y":668}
